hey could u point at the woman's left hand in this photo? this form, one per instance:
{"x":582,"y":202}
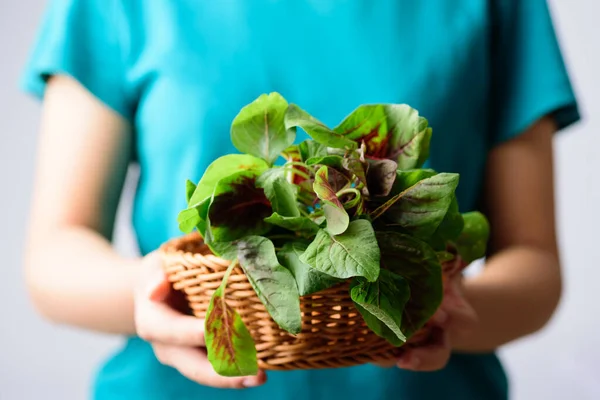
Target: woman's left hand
{"x":454,"y":320}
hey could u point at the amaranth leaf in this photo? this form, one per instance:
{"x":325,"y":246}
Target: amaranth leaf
{"x":230,"y":347}
{"x":308,"y":279}
{"x":273,"y":283}
{"x":382,"y":303}
{"x":259,"y":128}
{"x":353,"y":253}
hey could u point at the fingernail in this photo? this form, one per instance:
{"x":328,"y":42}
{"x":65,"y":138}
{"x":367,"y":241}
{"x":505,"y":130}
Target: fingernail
{"x":250,"y":382}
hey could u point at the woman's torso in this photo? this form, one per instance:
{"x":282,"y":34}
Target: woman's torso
{"x":190,"y":66}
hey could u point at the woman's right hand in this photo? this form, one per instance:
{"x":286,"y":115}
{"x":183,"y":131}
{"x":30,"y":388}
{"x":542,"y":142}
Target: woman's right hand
{"x":177,"y":338}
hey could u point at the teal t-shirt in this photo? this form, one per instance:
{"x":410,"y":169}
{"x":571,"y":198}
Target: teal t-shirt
{"x":480,"y":71}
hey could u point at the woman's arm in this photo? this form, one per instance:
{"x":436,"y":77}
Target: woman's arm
{"x":520,"y":286}
{"x":73,"y":275}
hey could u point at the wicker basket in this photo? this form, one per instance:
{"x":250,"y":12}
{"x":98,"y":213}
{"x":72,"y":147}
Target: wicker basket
{"x":333,"y":332}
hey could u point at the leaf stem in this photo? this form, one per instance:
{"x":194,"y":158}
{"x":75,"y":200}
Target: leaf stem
{"x":290,"y":168}
{"x":297,"y":164}
{"x":348,"y":191}
{"x":233,"y":264}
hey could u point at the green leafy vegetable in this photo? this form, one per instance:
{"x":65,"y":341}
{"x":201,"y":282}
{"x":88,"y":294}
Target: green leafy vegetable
{"x":331,"y":161}
{"x":381,"y":304}
{"x":221,"y":168}
{"x":350,"y":204}
{"x":358,"y":169}
{"x":308,"y":279}
{"x":281,"y":194}
{"x":194,"y":217}
{"x":190,"y":188}
{"x":188,"y":219}
{"x":230,"y":347}
{"x":390,"y":131}
{"x":224,"y":250}
{"x":311,"y":149}
{"x":238,"y":208}
{"x":259,"y":128}
{"x":450,"y":227}
{"x":336,"y":215}
{"x":418,"y":264}
{"x":472,"y":242}
{"x":273,"y":283}
{"x":421,"y":208}
{"x":353,"y":253}
{"x":381,"y":177}
{"x":301,"y":225}
{"x":296,"y":117}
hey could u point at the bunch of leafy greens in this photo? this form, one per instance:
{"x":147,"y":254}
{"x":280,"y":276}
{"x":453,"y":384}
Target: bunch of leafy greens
{"x":352,"y":203}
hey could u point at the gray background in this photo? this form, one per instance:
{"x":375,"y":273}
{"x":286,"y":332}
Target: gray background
{"x":38,"y":360}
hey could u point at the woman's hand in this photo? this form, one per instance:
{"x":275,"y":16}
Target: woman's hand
{"x":177,"y":338}
{"x":453,"y":321}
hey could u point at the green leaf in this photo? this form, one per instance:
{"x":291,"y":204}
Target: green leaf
{"x":418,"y":264}
{"x":420,"y":208}
{"x":296,"y":117}
{"x":353,"y":253}
{"x":331,"y":161}
{"x":280,"y":193}
{"x":259,"y":128}
{"x":194,"y":217}
{"x":384,"y":300}
{"x":273,"y":283}
{"x":381,"y":176}
{"x":238,"y":208}
{"x":301,"y":225}
{"x":230,"y":347}
{"x":403,"y":181}
{"x":310,"y":149}
{"x":408,"y":178}
{"x":450,"y":227}
{"x":356,"y":168}
{"x":292,"y":153}
{"x":472,"y":242}
{"x":308,"y":279}
{"x":336,"y":215}
{"x":221,"y":168}
{"x":188,"y":219}
{"x":224,"y":250}
{"x":393,"y":131}
{"x":190,"y":188}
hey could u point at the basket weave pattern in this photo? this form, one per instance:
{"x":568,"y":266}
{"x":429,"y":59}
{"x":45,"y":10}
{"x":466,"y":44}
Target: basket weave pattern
{"x":333,"y":331}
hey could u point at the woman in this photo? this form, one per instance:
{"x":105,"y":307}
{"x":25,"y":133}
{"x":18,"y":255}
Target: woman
{"x":158,"y":83}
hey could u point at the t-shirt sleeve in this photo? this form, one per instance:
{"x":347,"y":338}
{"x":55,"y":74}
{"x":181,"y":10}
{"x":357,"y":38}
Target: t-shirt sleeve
{"x":529,"y":79}
{"x":83,"y":39}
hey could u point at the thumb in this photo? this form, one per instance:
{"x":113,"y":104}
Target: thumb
{"x":154,"y":282}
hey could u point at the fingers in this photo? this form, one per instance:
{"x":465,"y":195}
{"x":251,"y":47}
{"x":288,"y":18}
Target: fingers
{"x":193,"y":364}
{"x":430,"y":356}
{"x":155,"y":320}
{"x":177,"y":339}
{"x":440,"y":318}
{"x":461,"y":315}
